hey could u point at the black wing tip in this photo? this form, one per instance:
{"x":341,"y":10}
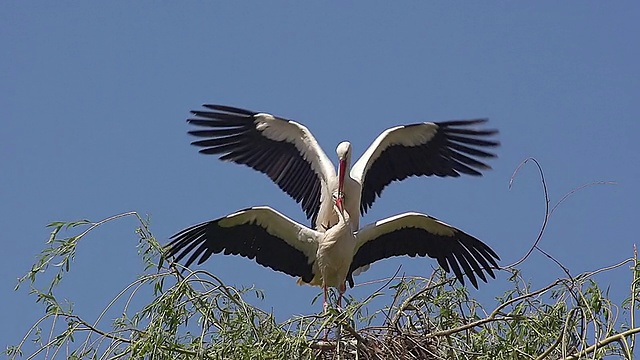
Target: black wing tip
{"x":473,"y":277}
{"x":494,"y":258}
{"x":484,"y":167}
{"x":201,"y":113}
{"x":474,"y":280}
{"x":492,"y":143}
{"x":460,"y":279}
{"x":221,"y":112}
{"x":206,"y":151}
{"x":460,"y":126}
{"x":463,"y":122}
{"x":215,"y":115}
{"x":194,"y":132}
{"x":228,"y":109}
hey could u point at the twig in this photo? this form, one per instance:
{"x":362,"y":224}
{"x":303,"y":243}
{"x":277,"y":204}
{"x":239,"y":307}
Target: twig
{"x":546,"y":208}
{"x":95,"y":225}
{"x":570,"y":193}
{"x":602,"y":269}
{"x":564,"y":268}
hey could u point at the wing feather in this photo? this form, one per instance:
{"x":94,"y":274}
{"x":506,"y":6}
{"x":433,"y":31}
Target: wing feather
{"x":229,"y":109}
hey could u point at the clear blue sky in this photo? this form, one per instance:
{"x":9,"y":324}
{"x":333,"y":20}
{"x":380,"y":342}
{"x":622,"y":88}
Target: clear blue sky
{"x":93,"y":99}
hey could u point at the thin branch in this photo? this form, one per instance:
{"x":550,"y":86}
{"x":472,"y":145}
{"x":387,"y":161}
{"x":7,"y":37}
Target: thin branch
{"x":106,"y":220}
{"x":546,"y":208}
{"x":570,"y":193}
{"x":564,"y":268}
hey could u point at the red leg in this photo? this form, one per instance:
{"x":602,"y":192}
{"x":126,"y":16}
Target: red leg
{"x":341,"y":291}
{"x":325,"y":304}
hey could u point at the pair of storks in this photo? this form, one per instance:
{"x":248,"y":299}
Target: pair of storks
{"x":328,"y":256}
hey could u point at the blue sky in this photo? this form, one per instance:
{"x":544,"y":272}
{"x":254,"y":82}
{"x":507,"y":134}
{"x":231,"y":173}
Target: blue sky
{"x":93,"y":99}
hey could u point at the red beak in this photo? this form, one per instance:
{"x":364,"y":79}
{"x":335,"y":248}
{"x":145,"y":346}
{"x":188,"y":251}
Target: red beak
{"x":342,"y":169}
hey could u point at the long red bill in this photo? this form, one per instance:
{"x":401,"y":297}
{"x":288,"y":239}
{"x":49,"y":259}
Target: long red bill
{"x":342,"y":169}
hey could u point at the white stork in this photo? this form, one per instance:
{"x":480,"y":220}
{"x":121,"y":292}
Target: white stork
{"x":287,"y":152}
{"x":328,"y":258}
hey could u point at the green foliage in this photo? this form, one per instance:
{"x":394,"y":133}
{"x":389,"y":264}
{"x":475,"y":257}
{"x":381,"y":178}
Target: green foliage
{"x":194,"y":315}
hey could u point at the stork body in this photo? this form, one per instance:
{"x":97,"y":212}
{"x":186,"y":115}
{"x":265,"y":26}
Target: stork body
{"x":328,"y":258}
{"x":334,"y":255}
{"x":287,"y":152}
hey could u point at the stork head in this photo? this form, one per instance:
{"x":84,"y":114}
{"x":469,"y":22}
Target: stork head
{"x":344,"y":156}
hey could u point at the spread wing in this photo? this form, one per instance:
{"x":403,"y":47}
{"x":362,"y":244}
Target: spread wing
{"x":282,"y":149}
{"x":448,"y":148}
{"x":259,"y":233}
{"x":416,"y":234}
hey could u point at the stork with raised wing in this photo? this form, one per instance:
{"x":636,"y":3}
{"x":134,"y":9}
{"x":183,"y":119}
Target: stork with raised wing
{"x":287,"y":152}
{"x":328,"y":258}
